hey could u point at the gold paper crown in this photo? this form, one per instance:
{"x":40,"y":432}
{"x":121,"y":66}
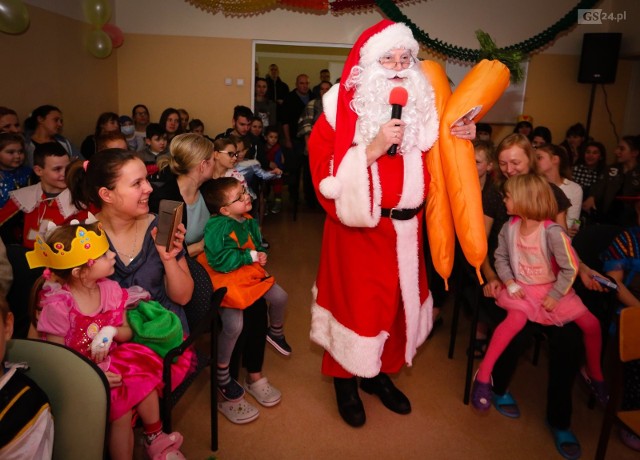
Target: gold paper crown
{"x":87,"y":245}
{"x":527,"y":118}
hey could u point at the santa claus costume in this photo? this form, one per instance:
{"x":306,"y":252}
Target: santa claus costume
{"x":372,"y":307}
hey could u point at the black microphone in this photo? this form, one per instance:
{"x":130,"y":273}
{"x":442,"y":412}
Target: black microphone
{"x":398,"y":99}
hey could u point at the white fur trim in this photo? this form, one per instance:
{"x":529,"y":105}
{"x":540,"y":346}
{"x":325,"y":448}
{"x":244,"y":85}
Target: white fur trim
{"x":361,"y":355}
{"x":330,"y":104}
{"x":357,"y":354}
{"x":395,"y":36}
{"x":354,"y":206}
{"x":330,"y":187}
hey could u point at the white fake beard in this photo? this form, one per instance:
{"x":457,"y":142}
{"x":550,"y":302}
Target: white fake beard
{"x":371,"y":101}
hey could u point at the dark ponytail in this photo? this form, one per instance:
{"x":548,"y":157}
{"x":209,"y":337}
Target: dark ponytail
{"x":102,"y":171}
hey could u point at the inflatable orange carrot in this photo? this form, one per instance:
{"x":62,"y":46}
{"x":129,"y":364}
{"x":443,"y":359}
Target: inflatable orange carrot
{"x":438,"y":218}
{"x":474,"y":96}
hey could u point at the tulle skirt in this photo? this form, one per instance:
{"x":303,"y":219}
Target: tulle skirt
{"x":141,"y":370}
{"x":567,"y":309}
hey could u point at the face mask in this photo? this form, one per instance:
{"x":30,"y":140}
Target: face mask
{"x":128,"y":130}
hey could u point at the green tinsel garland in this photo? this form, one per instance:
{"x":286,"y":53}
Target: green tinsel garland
{"x":511,"y":55}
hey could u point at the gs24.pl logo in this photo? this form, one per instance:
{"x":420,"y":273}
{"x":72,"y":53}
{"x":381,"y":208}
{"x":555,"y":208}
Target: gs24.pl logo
{"x":598,"y":16}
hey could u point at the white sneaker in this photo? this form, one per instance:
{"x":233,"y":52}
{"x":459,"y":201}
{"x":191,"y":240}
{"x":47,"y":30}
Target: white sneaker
{"x":239,"y":412}
{"x":264,"y":393}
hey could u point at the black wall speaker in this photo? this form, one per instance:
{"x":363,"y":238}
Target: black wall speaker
{"x":599,"y":59}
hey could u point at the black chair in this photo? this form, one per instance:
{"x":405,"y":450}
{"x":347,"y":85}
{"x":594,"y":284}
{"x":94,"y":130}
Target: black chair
{"x":202,"y":317}
{"x":590,"y":242}
{"x":467,"y":290}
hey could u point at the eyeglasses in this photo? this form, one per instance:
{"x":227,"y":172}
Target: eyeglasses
{"x":388,"y":61}
{"x":231,"y":154}
{"x":240,"y":197}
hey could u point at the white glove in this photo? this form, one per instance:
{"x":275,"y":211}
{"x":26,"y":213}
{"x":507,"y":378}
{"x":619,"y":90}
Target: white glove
{"x":101,"y":343}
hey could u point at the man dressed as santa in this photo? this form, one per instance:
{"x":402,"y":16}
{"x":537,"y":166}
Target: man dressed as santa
{"x":372,"y":307}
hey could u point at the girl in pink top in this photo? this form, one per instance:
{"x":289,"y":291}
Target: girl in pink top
{"x":84,"y":310}
{"x":538,"y":265}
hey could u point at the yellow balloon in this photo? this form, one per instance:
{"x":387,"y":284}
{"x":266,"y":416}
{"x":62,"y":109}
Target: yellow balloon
{"x":99,"y":44}
{"x":14,"y":16}
{"x":97,"y":12}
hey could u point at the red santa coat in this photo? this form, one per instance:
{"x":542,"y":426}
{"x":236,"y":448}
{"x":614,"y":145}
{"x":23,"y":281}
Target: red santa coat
{"x":372,"y":307}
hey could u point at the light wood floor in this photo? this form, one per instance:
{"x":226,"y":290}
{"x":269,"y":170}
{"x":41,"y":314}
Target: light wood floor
{"x":306,"y":424}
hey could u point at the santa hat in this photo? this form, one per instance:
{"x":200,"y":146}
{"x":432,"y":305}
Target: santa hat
{"x":372,"y":44}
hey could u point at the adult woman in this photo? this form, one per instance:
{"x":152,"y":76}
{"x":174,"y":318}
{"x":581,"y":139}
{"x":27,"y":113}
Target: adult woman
{"x":107,"y":122}
{"x":590,"y":164}
{"x":115,"y":182}
{"x":516,"y":156}
{"x":45,"y":125}
{"x":170,"y":121}
{"x":140,"y":116}
{"x":611,"y":198}
{"x":191,"y":165}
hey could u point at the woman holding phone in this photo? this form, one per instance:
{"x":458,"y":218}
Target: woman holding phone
{"x":115,"y":182}
{"x":190,"y":165}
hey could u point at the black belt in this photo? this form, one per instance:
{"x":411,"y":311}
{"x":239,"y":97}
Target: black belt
{"x":400,"y":214}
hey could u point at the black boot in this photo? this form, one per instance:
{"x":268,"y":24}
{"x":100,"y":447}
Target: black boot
{"x":349,"y":403}
{"x":382,"y":386}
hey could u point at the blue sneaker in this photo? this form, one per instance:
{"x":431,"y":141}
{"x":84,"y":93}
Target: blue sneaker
{"x":279,"y":343}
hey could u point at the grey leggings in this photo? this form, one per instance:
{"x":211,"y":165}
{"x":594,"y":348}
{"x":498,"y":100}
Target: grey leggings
{"x":232,"y":322}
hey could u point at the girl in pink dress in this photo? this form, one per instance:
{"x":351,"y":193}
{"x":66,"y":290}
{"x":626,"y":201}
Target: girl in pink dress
{"x":84,"y":310}
{"x":538,"y":266}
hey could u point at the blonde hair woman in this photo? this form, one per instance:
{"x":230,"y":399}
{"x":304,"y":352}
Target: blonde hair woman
{"x":190,"y":164}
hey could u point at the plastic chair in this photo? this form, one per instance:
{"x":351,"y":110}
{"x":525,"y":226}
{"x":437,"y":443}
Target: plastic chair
{"x":628,"y":350}
{"x":202,"y":317}
{"x":73,"y":384}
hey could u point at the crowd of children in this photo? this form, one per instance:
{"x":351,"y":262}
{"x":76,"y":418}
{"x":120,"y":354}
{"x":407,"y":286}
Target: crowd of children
{"x":96,"y":273}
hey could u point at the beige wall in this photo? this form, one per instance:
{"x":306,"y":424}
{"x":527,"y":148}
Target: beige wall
{"x":185,"y":72}
{"x":49,"y":64}
{"x":556,"y":100}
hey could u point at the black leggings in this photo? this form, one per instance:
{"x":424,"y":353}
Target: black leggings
{"x":566,"y":352}
{"x":249,"y":349}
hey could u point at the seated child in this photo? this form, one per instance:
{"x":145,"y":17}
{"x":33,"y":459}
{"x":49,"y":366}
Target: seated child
{"x":26,"y":422}
{"x":127,"y":128}
{"x":13,"y":173}
{"x":234,"y":259}
{"x":29,"y":211}
{"x":47,"y":201}
{"x":157,"y":147}
{"x":276,"y":160}
{"x":111,"y":140}
{"x":250,"y":168}
{"x":538,"y":265}
{"x":196,"y":126}
{"x":84,"y":310}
